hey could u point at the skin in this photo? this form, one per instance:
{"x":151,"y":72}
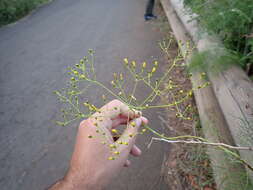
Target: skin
{"x":91,"y":166}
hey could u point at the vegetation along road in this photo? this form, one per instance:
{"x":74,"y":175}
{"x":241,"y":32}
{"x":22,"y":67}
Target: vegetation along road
{"x":34,"y":55}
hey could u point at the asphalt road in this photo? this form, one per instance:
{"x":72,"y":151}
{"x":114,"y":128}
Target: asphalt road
{"x":34,"y":54}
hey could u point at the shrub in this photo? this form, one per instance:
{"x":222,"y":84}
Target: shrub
{"x":11,"y":10}
{"x":231,"y":20}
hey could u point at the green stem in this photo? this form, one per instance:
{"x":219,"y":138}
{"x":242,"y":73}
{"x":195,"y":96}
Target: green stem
{"x":173,"y":138}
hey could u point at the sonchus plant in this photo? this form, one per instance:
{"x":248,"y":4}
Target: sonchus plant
{"x":83,"y":76}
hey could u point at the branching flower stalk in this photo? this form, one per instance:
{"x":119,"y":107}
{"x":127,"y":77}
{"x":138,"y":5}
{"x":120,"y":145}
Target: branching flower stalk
{"x":83,"y":76}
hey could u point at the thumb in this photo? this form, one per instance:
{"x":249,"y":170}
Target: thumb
{"x":129,"y":135}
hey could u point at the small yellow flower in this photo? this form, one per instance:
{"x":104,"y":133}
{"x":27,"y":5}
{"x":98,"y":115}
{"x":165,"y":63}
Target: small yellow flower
{"x":133,"y":63}
{"x":125,"y":143}
{"x":112,"y":146}
{"x":144,"y":64}
{"x":121,"y":76}
{"x":111,"y":158}
{"x":133,"y":124}
{"x":126,"y":61}
{"x":75,"y":72}
{"x":117,"y":152}
{"x":86,"y":104}
{"x":114,"y":131}
{"x":82,"y":76}
{"x":81,"y":61}
{"x":133,"y":97}
{"x":144,"y":130}
{"x":156,"y":63}
{"x":113,"y":83}
{"x":153,"y":70}
{"x":91,"y":51}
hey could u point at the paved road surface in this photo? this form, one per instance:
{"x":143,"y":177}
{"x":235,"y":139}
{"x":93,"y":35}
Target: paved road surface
{"x":33,"y":56}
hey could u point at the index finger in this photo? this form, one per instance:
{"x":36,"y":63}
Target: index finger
{"x":113,"y":109}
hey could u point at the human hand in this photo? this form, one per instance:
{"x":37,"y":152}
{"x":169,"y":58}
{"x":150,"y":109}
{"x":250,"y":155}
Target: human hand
{"x":97,"y":156}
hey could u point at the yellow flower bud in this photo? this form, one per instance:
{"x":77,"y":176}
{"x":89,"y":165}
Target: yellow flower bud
{"x":81,"y":61}
{"x":144,"y":64}
{"x":126,"y":61}
{"x":82,"y":76}
{"x":153,"y":70}
{"x":121,"y":76}
{"x":112,"y":146}
{"x":113,"y":83}
{"x":111,"y":158}
{"x":133,"y":124}
{"x":114,"y":131}
{"x":133,"y":97}
{"x":133,"y":63}
{"x":144,"y":130}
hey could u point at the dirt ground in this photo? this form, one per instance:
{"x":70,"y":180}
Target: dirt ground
{"x":187,"y":167}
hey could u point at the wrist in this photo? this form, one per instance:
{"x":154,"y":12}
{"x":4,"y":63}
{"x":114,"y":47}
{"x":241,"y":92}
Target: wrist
{"x":78,"y":183}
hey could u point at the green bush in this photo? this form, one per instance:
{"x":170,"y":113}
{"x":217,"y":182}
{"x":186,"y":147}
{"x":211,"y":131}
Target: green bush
{"x":11,"y":10}
{"x":232,"y":20}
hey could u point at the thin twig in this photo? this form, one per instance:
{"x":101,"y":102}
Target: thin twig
{"x":201,"y":142}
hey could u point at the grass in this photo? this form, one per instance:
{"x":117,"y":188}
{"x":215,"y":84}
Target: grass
{"x":232,"y":21}
{"x":12,"y":10}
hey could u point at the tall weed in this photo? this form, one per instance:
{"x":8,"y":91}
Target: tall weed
{"x":232,"y":20}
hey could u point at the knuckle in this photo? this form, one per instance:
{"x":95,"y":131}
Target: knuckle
{"x":116,"y":102}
